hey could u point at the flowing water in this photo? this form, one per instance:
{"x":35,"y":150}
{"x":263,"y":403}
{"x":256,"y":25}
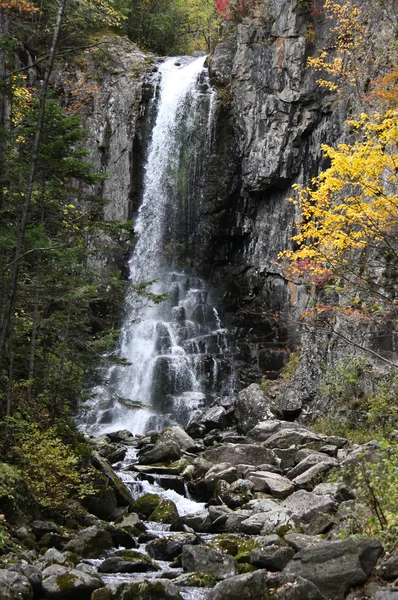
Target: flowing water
{"x":177,"y":351}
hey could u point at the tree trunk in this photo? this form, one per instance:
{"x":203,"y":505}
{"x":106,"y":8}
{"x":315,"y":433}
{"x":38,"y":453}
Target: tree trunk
{"x":9,"y":309}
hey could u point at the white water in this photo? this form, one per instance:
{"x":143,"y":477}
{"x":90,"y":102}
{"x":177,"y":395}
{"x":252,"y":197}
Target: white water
{"x":177,"y":350}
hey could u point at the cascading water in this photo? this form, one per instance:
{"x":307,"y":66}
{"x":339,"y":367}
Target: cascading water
{"x":177,"y":350}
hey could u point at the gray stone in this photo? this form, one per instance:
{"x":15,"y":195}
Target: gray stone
{"x":387,"y":594}
{"x":200,"y":521}
{"x":91,"y":542}
{"x":249,"y":586}
{"x":143,"y":589}
{"x":389,"y":568}
{"x":206,"y":560}
{"x":14,"y":585}
{"x":298,"y":588}
{"x":235,"y":454}
{"x":127,"y":561}
{"x":214,"y":418}
{"x":161,"y":452}
{"x":130,"y":523}
{"x":311,"y":476}
{"x":252,"y":407}
{"x":274,"y":521}
{"x":168,"y":548}
{"x":308,"y":462}
{"x":272,"y":558}
{"x":39,"y":528}
{"x":304,"y":505}
{"x":322,"y":564}
{"x":31,"y":572}
{"x":298,"y":541}
{"x":70,"y":585}
{"x":178,"y":436}
{"x":294,"y":437}
{"x":271,"y":483}
{"x":53,"y":556}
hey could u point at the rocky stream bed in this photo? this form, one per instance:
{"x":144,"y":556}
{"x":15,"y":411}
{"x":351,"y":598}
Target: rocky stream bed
{"x":234,"y":507}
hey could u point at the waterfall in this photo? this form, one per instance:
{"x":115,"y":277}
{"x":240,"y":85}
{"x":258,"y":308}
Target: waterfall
{"x":177,"y":351}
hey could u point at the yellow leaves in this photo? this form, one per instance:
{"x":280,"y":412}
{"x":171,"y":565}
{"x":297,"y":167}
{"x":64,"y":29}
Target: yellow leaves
{"x":352,"y":204}
{"x":22,"y":6}
{"x":21,"y":98}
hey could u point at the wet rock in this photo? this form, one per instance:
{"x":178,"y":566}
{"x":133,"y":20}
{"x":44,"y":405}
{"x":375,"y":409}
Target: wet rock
{"x":214,"y":418}
{"x":206,"y":560}
{"x":91,"y":542}
{"x":145,"y":589}
{"x":235,"y":454}
{"x":146,"y":504}
{"x":122,"y":435}
{"x":200,"y":521}
{"x":161,"y":452}
{"x":249,"y":586}
{"x":70,"y":585}
{"x":168,"y":548}
{"x":131,"y":523}
{"x":14,"y":585}
{"x":195,"y":580}
{"x":272,"y":558}
{"x":251,"y":407}
{"x":271,"y":483}
{"x":165,"y":512}
{"x":121,"y":537}
{"x":322,"y":565}
{"x":127,"y":561}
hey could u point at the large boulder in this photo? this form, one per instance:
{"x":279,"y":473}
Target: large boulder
{"x":70,"y":584}
{"x":271,"y":483}
{"x":306,"y":505}
{"x":289,"y":436}
{"x":178,"y":436}
{"x":168,"y":548}
{"x":161,"y":452}
{"x":208,"y":561}
{"x":165,"y":512}
{"x":131,"y":523}
{"x":252,"y":406}
{"x":241,"y":454}
{"x":272,"y":558}
{"x":277,"y":520}
{"x":14,"y":585}
{"x":335,"y":567}
{"x":31,"y":572}
{"x":127,"y":561}
{"x":91,"y":542}
{"x":249,"y":586}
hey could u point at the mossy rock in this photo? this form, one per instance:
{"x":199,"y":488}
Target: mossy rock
{"x":245,"y":568}
{"x":146,"y":504}
{"x":181,"y":464}
{"x":165,"y":512}
{"x":201,"y":580}
{"x":234,"y":545}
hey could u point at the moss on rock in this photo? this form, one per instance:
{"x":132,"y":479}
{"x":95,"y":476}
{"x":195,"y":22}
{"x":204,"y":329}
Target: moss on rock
{"x":165,"y":512}
{"x":146,"y":504}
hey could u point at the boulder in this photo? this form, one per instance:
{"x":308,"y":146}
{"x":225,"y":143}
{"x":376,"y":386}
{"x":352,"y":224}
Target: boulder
{"x":161,"y":452}
{"x":298,"y":541}
{"x":130,"y":523}
{"x":335,"y":567}
{"x":311,"y":476}
{"x":389,"y":568}
{"x":145,"y":589}
{"x":263,"y":430}
{"x":127,"y":561}
{"x":55,"y":557}
{"x":252,"y":406}
{"x":168,"y":548}
{"x":91,"y":542}
{"x":123,"y":435}
{"x":32,"y":573}
{"x":72,"y":584}
{"x":39,"y":528}
{"x":249,"y":586}
{"x":308,"y":462}
{"x":146,"y":504}
{"x":206,"y":560}
{"x":301,"y":438}
{"x":236,"y":454}
{"x":271,"y":483}
{"x":272,"y":558}
{"x":14,"y":585}
{"x":278,"y":520}
{"x":214,"y":418}
{"x":387,"y":594}
{"x":165,"y":512}
{"x":304,"y":505}
{"x":178,"y":436}
{"x":200,"y":521}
